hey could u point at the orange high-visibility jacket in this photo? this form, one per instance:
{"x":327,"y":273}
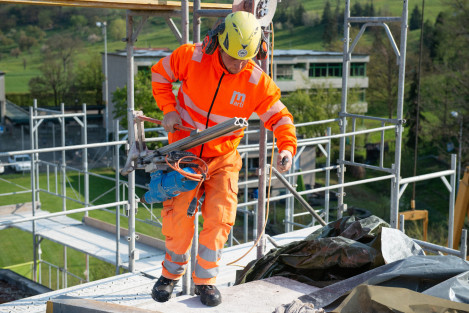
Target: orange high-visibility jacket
{"x":209,"y":95}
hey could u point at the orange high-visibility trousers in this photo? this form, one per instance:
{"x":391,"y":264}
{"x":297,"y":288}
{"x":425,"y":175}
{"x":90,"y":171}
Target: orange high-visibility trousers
{"x":219,"y":214}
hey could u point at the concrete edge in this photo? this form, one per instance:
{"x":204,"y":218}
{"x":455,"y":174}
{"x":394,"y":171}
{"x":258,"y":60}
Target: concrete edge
{"x":22,"y":282}
{"x":67,"y":304}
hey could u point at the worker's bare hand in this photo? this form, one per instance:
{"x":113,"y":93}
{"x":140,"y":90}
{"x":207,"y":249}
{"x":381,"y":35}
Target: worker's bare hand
{"x":284,"y":161}
{"x":169,"y":120}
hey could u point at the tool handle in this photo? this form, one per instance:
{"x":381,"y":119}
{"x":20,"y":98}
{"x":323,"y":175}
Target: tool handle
{"x":285,"y":160}
{"x":158,"y":122}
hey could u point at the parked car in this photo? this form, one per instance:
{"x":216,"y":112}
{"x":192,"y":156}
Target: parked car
{"x":21,"y":162}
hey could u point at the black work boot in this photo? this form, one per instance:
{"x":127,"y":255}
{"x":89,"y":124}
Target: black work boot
{"x":209,"y":294}
{"x":163,"y":289}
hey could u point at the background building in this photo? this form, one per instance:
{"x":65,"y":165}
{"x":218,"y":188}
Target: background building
{"x":309,"y":69}
{"x":117,"y":70}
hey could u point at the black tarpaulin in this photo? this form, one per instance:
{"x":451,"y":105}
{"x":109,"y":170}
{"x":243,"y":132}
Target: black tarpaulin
{"x":442,"y":276}
{"x":339,"y":250}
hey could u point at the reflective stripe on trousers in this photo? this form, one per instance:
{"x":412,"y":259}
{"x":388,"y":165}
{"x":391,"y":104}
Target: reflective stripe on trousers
{"x":219,"y":213}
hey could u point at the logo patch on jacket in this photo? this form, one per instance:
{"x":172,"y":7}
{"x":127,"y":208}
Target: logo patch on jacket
{"x":237,"y":99}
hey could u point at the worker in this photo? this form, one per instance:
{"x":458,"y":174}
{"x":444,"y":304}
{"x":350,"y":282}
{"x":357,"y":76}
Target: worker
{"x":219,"y":81}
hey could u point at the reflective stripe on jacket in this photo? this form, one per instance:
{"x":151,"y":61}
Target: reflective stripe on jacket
{"x":209,"y":95}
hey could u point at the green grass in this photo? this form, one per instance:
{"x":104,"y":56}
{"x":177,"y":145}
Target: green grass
{"x":17,"y":77}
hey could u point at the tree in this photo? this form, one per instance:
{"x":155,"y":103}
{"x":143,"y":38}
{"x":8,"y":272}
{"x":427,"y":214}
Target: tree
{"x":411,"y":115}
{"x":415,"y":19}
{"x":303,"y":109}
{"x":326,"y":13}
{"x":15,"y":52}
{"x":453,"y":33}
{"x":329,"y":23}
{"x":90,"y":79}
{"x":438,"y":37}
{"x":144,"y":100}
{"x":281,"y":14}
{"x":57,"y":74}
{"x":117,"y":29}
{"x":26,"y":42}
{"x":63,"y":48}
{"x":369,"y":9}
{"x":5,"y":41}
{"x":339,"y":18}
{"x":53,"y":77}
{"x":384,"y":71}
{"x":298,"y":15}
{"x":357,"y":9}
{"x":319,"y":102}
{"x":35,"y":32}
{"x":45,"y":19}
{"x":78,"y":21}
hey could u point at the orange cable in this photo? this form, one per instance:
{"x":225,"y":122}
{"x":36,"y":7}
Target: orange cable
{"x":200,"y":177}
{"x":197,"y":177}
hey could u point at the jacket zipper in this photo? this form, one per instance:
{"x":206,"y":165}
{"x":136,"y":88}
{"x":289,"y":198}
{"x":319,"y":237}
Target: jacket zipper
{"x":210,"y":110}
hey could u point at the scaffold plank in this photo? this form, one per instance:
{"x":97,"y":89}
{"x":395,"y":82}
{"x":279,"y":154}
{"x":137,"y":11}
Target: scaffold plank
{"x":98,"y":243}
{"x":147,"y":5}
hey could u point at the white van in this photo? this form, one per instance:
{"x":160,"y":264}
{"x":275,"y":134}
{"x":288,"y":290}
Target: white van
{"x":21,"y":162}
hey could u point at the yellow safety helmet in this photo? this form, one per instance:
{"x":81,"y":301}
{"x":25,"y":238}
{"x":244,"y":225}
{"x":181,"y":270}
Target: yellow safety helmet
{"x":242,"y":35}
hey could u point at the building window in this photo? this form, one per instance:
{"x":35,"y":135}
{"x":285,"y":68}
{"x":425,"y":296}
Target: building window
{"x":358,"y":69}
{"x":145,"y":69}
{"x":300,"y":66}
{"x":284,"y":72}
{"x":325,"y":70}
{"x":334,"y":70}
{"x":362,"y":94}
{"x":318,"y":70}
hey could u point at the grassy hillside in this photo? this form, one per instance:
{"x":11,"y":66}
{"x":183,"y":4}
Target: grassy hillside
{"x":19,"y":70}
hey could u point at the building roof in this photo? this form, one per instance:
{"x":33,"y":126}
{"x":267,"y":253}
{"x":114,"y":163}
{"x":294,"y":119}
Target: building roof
{"x":144,"y":52}
{"x":311,"y":53}
{"x":162,"y":52}
{"x":16,"y":114}
{"x":300,"y":52}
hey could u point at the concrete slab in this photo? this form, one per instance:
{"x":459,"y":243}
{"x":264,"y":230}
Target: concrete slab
{"x":261,"y":296}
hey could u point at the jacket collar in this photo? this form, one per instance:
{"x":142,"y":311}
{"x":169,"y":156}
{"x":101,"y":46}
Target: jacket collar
{"x":218,"y":63}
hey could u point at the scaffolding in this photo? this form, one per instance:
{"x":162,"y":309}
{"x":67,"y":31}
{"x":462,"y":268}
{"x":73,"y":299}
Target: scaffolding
{"x":254,"y":208}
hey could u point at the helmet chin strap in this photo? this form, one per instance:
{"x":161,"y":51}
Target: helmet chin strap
{"x":220,"y":58}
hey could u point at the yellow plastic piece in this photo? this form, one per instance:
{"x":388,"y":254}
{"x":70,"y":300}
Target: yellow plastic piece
{"x":415,"y":215}
{"x":461,"y":208}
